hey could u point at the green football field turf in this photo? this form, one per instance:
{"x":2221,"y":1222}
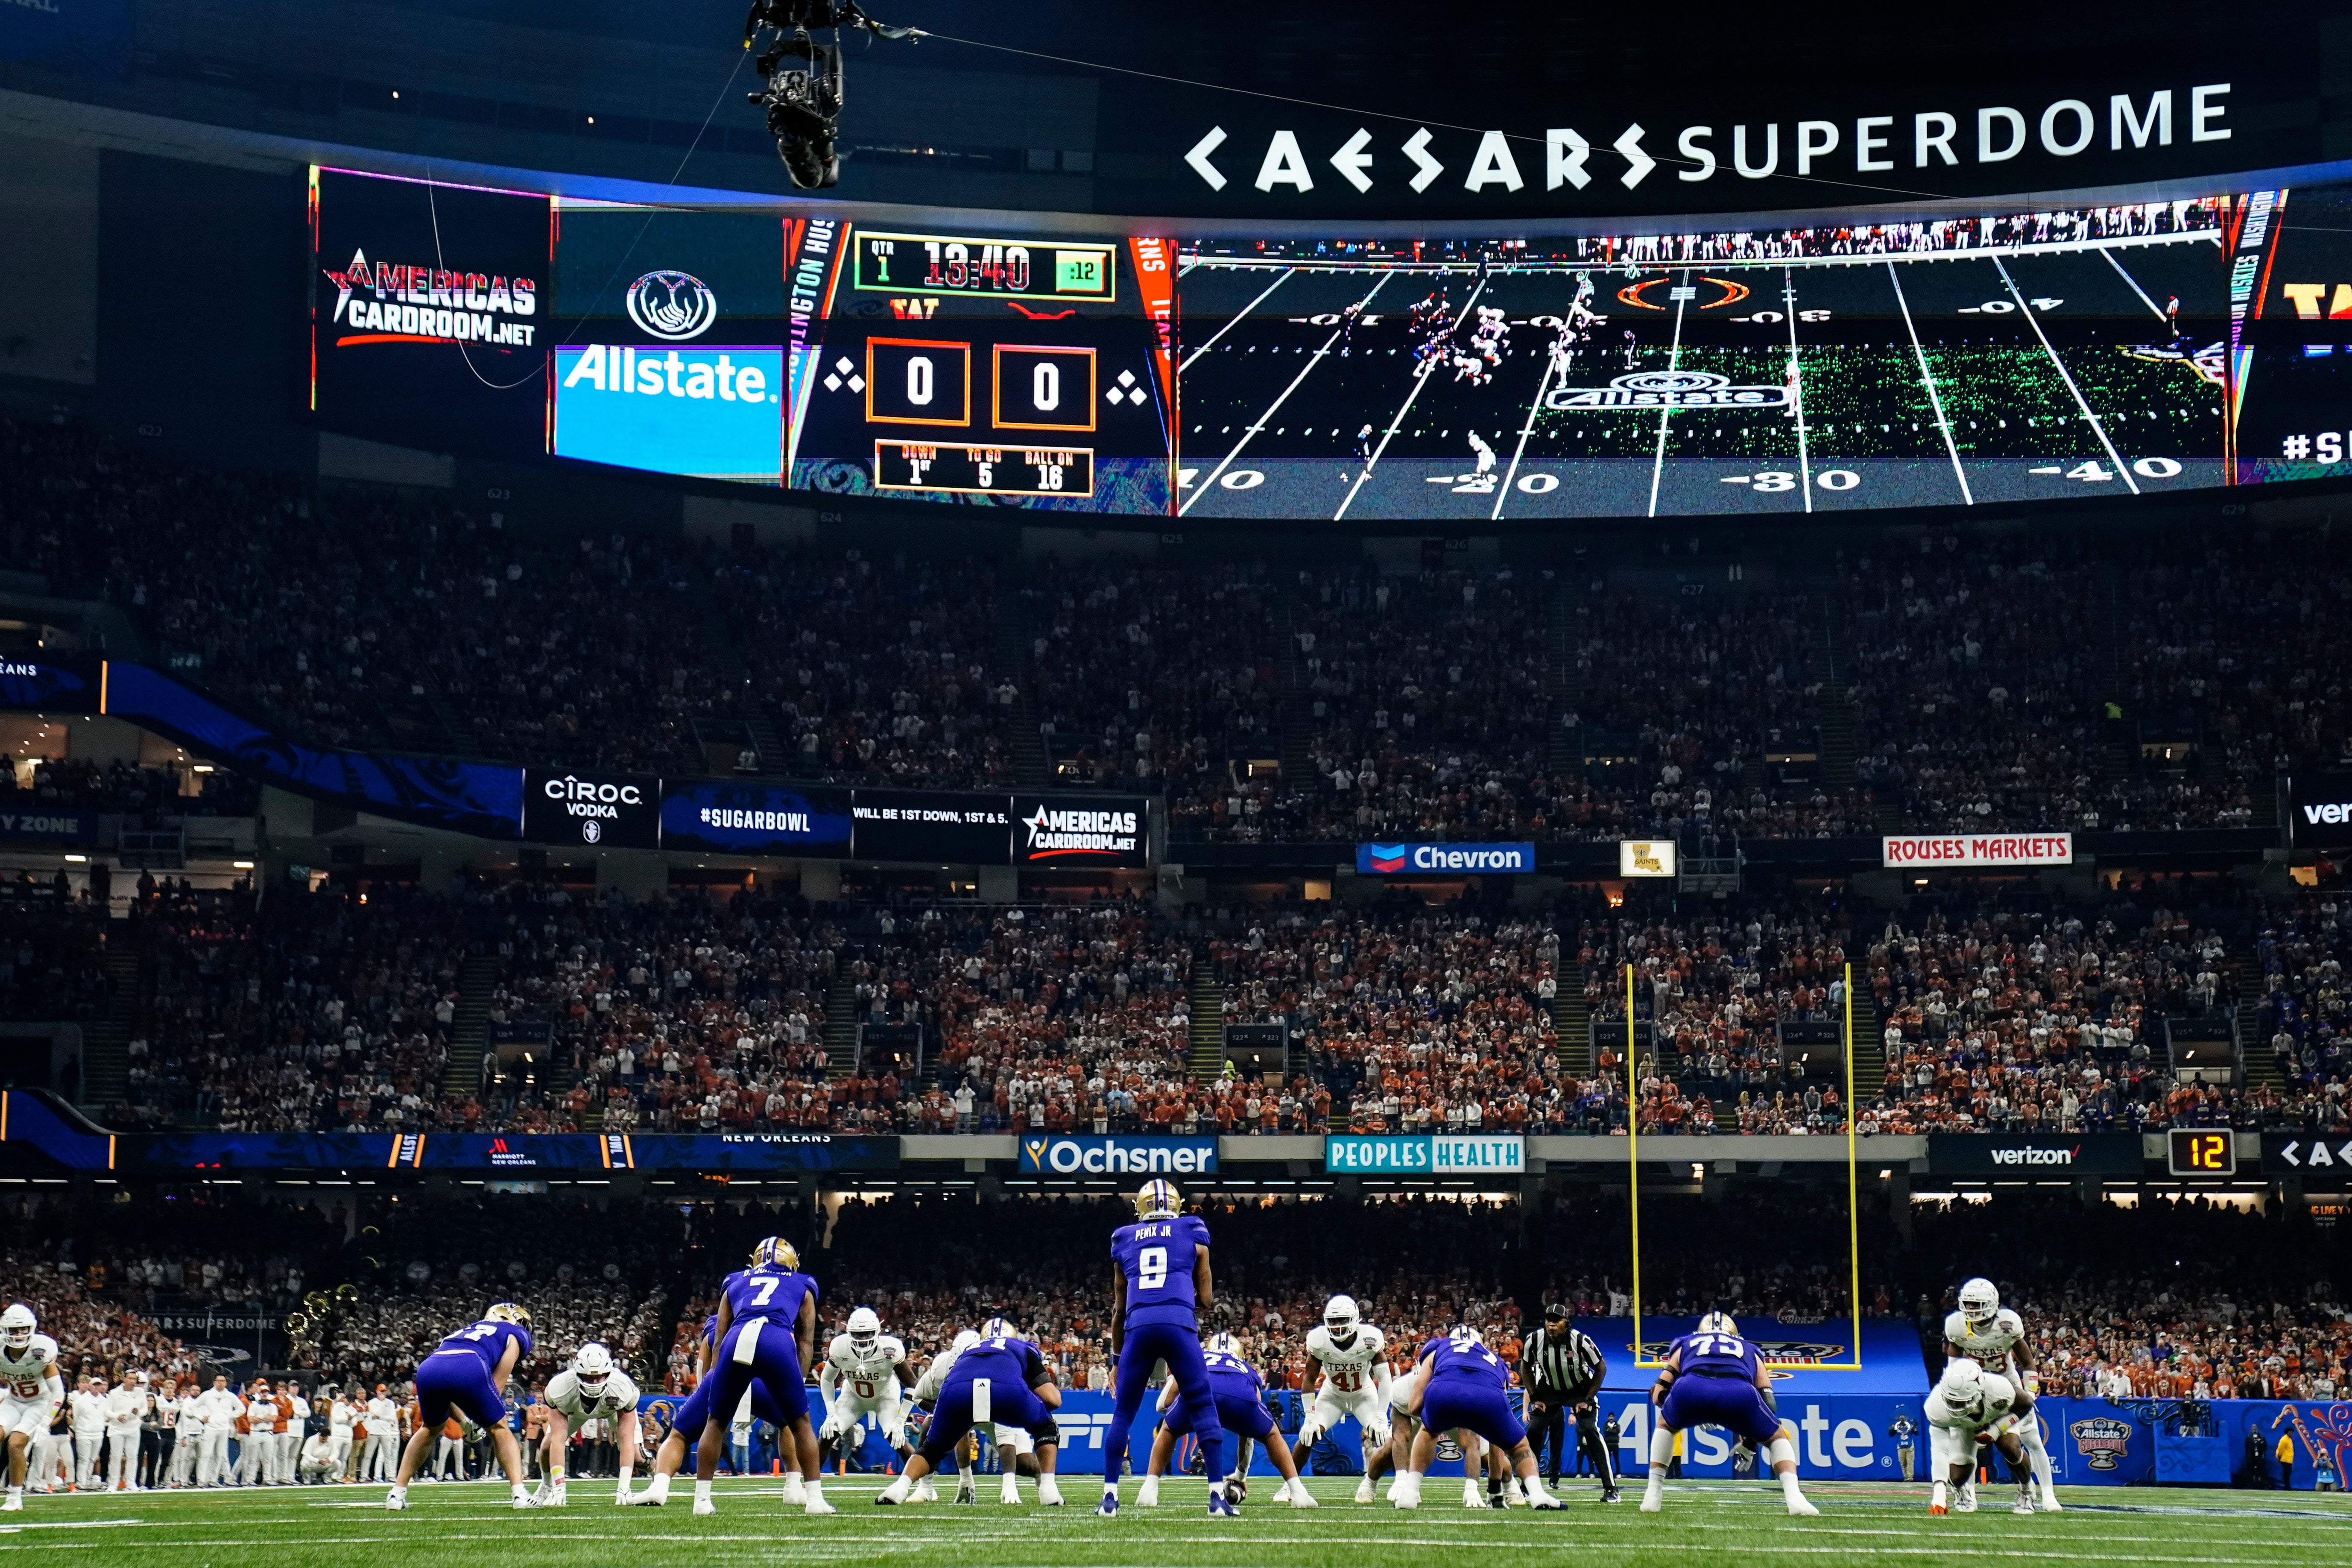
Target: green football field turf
{"x":463,"y":1525}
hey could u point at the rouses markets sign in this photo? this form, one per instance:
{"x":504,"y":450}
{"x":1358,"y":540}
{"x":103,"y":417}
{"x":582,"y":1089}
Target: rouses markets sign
{"x":1946,"y":851}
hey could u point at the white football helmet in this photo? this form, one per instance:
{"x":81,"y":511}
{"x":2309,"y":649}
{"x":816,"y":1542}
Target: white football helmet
{"x":1159,"y":1200}
{"x":1718,"y":1323}
{"x":1963,"y":1388}
{"x":965,"y":1339}
{"x":865,"y":1328}
{"x":1980,"y":1303}
{"x":16,"y":1326}
{"x":1340,"y":1316}
{"x":593,"y":1366}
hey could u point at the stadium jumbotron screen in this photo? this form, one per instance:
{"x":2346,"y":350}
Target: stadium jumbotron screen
{"x":2014,"y":355}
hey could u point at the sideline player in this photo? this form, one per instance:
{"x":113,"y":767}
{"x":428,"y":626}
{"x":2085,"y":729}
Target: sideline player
{"x":998,"y":1379}
{"x":1160,"y":1282}
{"x":1349,"y":1370}
{"x":36,"y":1392}
{"x":1711,"y":1376}
{"x":1458,"y":1383}
{"x":766,"y":1333}
{"x":590,"y":1389}
{"x":1967,"y":1406}
{"x":1992,"y":1335}
{"x":863,"y":1372}
{"x":1241,"y":1410}
{"x":464,"y":1375}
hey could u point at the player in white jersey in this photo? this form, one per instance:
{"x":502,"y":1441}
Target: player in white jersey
{"x":1992,"y":1335}
{"x":1967,"y":1407}
{"x":1347,"y":1368}
{"x":35,"y":1390}
{"x":593,"y":1388}
{"x":863,"y":1372}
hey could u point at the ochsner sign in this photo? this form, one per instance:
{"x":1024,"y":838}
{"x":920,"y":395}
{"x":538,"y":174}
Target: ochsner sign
{"x":1930,"y":851}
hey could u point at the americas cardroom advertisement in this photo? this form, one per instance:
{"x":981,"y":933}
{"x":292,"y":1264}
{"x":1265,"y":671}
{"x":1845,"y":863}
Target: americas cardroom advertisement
{"x":428,"y":312}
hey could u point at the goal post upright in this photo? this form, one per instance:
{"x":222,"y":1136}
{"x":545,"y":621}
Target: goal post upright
{"x":1633,"y":1158}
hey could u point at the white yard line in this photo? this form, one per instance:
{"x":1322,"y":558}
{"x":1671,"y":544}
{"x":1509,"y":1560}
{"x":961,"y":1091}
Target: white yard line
{"x":1421,"y":379}
{"x":1229,"y":326}
{"x":1673,"y":360}
{"x":2065,"y":375}
{"x":1927,"y":377}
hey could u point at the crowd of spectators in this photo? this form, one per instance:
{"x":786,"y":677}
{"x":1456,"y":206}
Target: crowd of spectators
{"x":2006,"y":683}
{"x":757,"y":1012}
{"x":60,"y":783}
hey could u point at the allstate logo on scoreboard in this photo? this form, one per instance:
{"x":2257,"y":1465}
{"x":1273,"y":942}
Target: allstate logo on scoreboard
{"x":1049,"y":1154}
{"x":1442,"y":1154}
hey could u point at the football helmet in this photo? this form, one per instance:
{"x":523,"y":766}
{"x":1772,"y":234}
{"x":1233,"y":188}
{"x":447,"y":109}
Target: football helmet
{"x":1980,"y":1303}
{"x":864,"y":1329}
{"x":508,"y":1312}
{"x":16,"y":1326}
{"x":998,"y":1328}
{"x":1963,"y":1388}
{"x":593,"y":1366}
{"x":1225,"y":1341}
{"x":776,"y":1252}
{"x":1463,"y":1335}
{"x":1158,"y":1200}
{"x":1718,"y":1323}
{"x":1340,"y":1317}
{"x":965,"y":1339}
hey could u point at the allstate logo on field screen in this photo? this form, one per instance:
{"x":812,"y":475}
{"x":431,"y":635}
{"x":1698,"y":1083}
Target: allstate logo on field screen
{"x":672,"y":305}
{"x":1645,"y":389}
{"x":1048,"y":1154}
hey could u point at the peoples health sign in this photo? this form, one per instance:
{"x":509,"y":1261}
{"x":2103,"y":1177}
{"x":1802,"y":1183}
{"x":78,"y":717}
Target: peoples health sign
{"x":1440,"y":1154}
{"x":1409,"y":859}
{"x":1050,"y":1155}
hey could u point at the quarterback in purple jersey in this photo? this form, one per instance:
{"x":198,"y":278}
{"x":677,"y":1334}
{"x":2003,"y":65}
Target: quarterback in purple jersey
{"x":1713,"y":1377}
{"x":1158,"y":1284}
{"x":465,"y":1376}
{"x":767,"y":1333}
{"x":1460,"y":1384}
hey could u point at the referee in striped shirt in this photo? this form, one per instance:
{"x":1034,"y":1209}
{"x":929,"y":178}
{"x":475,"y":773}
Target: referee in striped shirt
{"x":1561,"y":1369}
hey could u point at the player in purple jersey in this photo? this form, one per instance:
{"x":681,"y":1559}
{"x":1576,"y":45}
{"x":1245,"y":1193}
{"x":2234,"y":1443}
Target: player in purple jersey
{"x":694,"y":1413}
{"x":1459,"y":1385}
{"x":1241,"y":1410}
{"x":1713,"y":1377}
{"x":1158,"y":1283}
{"x":466,"y":1375}
{"x":767,"y":1333}
{"x":1002,"y":1380}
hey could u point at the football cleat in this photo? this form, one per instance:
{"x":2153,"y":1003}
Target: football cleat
{"x":1365,"y":1491}
{"x":705,"y":1507}
{"x":1939,"y":1509}
{"x":1109,"y":1504}
{"x":1223,"y":1506}
{"x":1802,"y":1508}
{"x":1300,"y":1496}
{"x":818,"y":1505}
{"x":15,"y":1503}
{"x":1612,"y":1495}
{"x":2023,"y":1506}
{"x":2048,"y":1502}
{"x":395,"y":1501}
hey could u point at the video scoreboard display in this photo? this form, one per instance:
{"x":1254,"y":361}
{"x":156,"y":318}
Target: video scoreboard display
{"x":992,"y":371}
{"x":2003,"y":356}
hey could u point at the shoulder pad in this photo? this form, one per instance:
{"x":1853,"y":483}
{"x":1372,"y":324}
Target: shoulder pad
{"x":894,"y":1348}
{"x":2008,"y":1320}
{"x":1373,"y":1339}
{"x":838,"y":1348}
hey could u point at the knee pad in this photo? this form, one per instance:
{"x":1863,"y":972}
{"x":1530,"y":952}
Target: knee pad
{"x":1050,"y":1432}
{"x":1782,"y":1451}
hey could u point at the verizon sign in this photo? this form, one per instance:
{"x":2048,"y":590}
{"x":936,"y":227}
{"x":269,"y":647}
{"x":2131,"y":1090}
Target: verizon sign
{"x":1930,"y":851}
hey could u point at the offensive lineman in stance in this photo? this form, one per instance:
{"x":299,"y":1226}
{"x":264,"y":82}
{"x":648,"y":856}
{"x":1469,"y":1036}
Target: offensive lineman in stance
{"x":1992,"y":1335}
{"x":1158,"y":1285}
{"x":1713,"y":1376}
{"x":465,"y":1376}
{"x":1460,"y":1384}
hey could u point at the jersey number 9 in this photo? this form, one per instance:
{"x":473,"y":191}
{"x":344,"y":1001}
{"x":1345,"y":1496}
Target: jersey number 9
{"x":1152,"y":1268}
